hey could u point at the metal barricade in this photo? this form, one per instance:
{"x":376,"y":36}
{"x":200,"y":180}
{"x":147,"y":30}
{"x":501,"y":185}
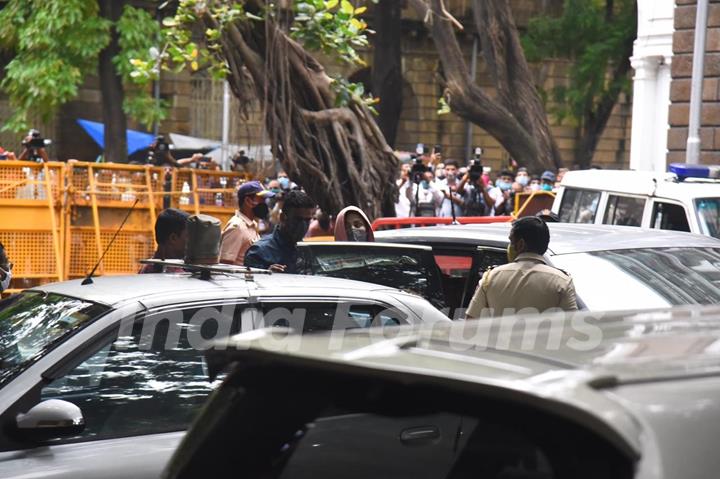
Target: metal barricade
{"x":31,"y":221}
{"x":57,"y":219}
{"x":395,"y":223}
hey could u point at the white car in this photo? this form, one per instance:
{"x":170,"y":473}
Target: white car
{"x":101,"y":380}
{"x":685,"y":199}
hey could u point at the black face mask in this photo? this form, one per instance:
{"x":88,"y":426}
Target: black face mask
{"x":261,"y":210}
{"x":295,"y":229}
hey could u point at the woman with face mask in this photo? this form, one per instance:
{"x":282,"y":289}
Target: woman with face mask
{"x":352,"y":225}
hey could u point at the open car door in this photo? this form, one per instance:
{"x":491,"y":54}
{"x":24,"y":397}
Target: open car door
{"x":407,"y":267}
{"x":485,"y":257}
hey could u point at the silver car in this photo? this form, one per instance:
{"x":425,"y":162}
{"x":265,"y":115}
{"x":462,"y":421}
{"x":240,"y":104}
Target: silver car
{"x":565,"y":396}
{"x":101,"y":380}
{"x":613,"y":267}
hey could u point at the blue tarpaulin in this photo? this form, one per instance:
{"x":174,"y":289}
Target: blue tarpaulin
{"x":136,"y":140}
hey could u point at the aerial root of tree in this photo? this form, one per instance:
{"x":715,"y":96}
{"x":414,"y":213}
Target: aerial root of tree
{"x":336,"y":153}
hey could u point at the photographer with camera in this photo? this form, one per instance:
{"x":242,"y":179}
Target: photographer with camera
{"x":34,"y":147}
{"x":478,"y":199}
{"x":160,"y":155}
{"x":420,"y":190}
{"x":452,"y":203}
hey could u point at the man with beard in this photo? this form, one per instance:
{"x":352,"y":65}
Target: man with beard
{"x":242,"y":230}
{"x":278,"y":251}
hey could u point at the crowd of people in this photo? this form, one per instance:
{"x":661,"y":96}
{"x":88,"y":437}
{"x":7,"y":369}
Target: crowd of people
{"x":448,"y":189}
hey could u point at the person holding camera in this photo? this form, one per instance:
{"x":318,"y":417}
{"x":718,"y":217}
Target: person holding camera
{"x":34,"y":147}
{"x":452,"y":204}
{"x":160,"y":155}
{"x":478,"y":199}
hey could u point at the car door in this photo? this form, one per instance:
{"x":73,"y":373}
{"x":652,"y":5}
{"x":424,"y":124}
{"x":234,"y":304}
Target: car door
{"x":485,"y":257}
{"x":138,"y":386}
{"x":407,"y":267}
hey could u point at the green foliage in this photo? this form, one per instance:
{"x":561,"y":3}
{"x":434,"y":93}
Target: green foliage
{"x":56,"y":44}
{"x":594,"y":44}
{"x":331,"y":26}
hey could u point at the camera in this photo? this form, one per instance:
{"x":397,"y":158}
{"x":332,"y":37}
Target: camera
{"x":417,"y":170}
{"x":476,"y":168}
{"x":36,"y":140}
{"x":159,"y":150}
{"x":438,"y":149}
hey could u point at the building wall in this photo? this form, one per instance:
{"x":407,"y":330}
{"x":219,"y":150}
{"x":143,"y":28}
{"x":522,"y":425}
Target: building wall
{"x":683,"y":43}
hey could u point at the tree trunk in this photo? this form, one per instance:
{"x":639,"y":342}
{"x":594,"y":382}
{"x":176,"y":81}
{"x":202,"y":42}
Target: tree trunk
{"x":516,"y":118}
{"x":338,"y":154}
{"x":386,"y":69}
{"x":112,"y":90}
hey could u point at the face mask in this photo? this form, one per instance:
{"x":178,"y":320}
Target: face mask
{"x":534,"y":187}
{"x":523,"y":180}
{"x":511,"y":253}
{"x":358,"y":234}
{"x":425,"y":184}
{"x":261,"y":210}
{"x":296,"y":228}
{"x":5,"y":284}
{"x":276,"y":190}
{"x":451,"y":177}
{"x":284,"y":182}
{"x":547,"y":187}
{"x":504,"y":185}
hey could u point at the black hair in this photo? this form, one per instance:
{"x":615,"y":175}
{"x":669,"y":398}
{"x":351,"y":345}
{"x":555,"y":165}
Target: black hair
{"x":534,"y":232}
{"x":324,"y":220}
{"x":297,"y":199}
{"x":506,"y":173}
{"x":170,"y":221}
{"x":452,"y":163}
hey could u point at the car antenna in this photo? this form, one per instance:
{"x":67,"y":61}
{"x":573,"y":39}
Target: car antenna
{"x":89,"y":278}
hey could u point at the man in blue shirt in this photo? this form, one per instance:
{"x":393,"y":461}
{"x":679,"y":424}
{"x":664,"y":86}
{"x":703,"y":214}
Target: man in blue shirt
{"x":278,"y":251}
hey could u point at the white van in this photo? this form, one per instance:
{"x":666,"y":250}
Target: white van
{"x":686,"y":199}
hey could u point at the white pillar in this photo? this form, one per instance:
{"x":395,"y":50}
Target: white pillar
{"x":652,"y":56}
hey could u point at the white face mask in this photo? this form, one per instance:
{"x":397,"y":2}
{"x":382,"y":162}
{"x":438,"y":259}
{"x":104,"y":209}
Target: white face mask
{"x":5,"y":283}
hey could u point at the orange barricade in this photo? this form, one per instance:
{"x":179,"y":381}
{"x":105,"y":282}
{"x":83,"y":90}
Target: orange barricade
{"x":395,"y":223}
{"x":58,"y":218}
{"x":31,"y":220}
{"x":528,"y":204}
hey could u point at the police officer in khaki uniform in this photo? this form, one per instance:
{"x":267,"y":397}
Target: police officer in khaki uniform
{"x":526,"y":281}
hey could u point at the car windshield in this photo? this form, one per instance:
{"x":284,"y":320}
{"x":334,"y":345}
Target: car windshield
{"x":708,"y":211}
{"x":31,"y":323}
{"x":644,"y":278}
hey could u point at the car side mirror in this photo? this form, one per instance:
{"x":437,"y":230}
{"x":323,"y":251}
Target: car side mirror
{"x":50,"y":419}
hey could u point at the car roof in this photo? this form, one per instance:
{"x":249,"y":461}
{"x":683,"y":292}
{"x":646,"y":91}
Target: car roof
{"x":111,"y":290}
{"x":645,"y":183}
{"x":565,"y":238}
{"x":629,"y":348}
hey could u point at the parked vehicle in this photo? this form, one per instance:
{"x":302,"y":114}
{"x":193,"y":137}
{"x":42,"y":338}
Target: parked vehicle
{"x":101,"y":380}
{"x":624,"y":395}
{"x":613,"y":267}
{"x":685,"y":199}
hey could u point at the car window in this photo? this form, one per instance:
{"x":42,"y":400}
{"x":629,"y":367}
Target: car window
{"x":624,"y":210}
{"x":644,"y":278}
{"x":708,"y":211}
{"x":411,"y":269}
{"x":669,"y":216}
{"x":579,"y":206}
{"x":345,"y":424}
{"x":31,"y":323}
{"x":150,"y":380}
{"x":314,"y":316}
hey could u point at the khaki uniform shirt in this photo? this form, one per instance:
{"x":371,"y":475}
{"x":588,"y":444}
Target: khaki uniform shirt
{"x":239,"y":234}
{"x":528,"y":282}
